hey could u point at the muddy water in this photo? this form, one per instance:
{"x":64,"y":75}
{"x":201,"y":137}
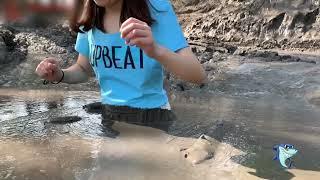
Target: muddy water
{"x":32,"y":147}
{"x":253,"y":106}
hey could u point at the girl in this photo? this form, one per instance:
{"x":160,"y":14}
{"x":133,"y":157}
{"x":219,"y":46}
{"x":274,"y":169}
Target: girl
{"x":126,"y":44}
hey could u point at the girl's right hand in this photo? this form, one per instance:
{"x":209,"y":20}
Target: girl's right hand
{"x":49,"y":70}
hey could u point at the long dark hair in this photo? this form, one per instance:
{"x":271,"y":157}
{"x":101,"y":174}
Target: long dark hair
{"x":86,"y":13}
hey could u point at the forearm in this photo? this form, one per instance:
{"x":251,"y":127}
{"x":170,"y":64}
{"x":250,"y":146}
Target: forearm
{"x":75,"y":74}
{"x":185,"y":67}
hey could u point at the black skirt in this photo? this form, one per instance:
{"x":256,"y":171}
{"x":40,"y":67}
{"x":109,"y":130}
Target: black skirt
{"x":156,"y":117}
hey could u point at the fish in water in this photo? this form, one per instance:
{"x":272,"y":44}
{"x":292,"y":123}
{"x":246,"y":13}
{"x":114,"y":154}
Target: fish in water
{"x":284,"y":152}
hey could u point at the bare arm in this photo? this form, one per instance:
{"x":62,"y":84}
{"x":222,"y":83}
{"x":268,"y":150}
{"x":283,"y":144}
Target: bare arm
{"x":79,"y":72}
{"x":183,"y":64}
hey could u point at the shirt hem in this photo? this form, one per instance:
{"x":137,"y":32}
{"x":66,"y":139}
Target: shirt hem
{"x":163,"y":105}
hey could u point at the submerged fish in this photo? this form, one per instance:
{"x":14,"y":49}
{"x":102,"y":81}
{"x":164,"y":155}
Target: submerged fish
{"x":284,"y":152}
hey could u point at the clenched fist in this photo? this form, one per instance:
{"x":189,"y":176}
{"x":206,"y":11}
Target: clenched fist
{"x":49,"y":70}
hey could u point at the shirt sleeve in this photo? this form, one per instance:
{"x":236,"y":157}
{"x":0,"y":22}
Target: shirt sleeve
{"x":167,"y":29}
{"x":82,"y":44}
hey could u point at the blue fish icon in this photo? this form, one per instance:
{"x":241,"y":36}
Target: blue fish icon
{"x":284,"y":152}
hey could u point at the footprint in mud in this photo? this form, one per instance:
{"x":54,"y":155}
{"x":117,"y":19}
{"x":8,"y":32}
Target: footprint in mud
{"x":65,"y":120}
{"x":203,"y":149}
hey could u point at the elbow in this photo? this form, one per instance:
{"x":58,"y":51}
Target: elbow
{"x":200,"y":78}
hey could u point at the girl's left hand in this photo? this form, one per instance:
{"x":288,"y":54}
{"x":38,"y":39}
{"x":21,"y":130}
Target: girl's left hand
{"x":138,"y":33}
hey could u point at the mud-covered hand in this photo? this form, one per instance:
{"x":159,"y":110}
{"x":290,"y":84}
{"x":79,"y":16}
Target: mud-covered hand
{"x":138,"y":33}
{"x":49,"y":70}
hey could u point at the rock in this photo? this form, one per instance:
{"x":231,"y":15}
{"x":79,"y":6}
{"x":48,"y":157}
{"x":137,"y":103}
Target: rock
{"x":211,"y":75}
{"x":275,"y":23}
{"x":203,"y":149}
{"x":231,"y":49}
{"x":95,"y":108}
{"x":288,"y":58}
{"x":240,"y":52}
{"x":194,"y":49}
{"x":43,"y":171}
{"x":221,"y":50}
{"x":3,"y":51}
{"x":208,"y":49}
{"x":210,"y":66}
{"x":263,"y":54}
{"x":267,"y":56}
{"x":180,"y":87}
{"x":10,"y":51}
{"x":206,"y":56}
{"x":65,"y":120}
{"x":201,"y":86}
{"x":218,"y":57}
{"x":7,"y":35}
{"x":190,"y":2}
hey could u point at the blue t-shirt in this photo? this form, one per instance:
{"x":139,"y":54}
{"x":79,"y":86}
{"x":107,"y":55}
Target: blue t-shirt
{"x":126,"y":75}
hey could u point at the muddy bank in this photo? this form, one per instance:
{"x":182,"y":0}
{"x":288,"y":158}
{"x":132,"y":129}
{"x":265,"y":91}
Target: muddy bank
{"x":258,"y":23}
{"x":10,"y":51}
{"x":54,"y":39}
{"x":18,"y":70}
{"x":217,"y":31}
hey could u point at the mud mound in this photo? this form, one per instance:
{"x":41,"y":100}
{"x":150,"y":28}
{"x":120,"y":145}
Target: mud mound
{"x":16,"y":42}
{"x":259,"y":23}
{"x":10,"y":51}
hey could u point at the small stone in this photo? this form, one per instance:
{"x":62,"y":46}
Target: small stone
{"x":3,"y":51}
{"x":43,"y":171}
{"x":95,"y":107}
{"x":209,"y":66}
{"x":205,"y":57}
{"x":180,"y":87}
{"x":190,"y":2}
{"x":194,"y":49}
{"x":221,"y":49}
{"x":240,"y":52}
